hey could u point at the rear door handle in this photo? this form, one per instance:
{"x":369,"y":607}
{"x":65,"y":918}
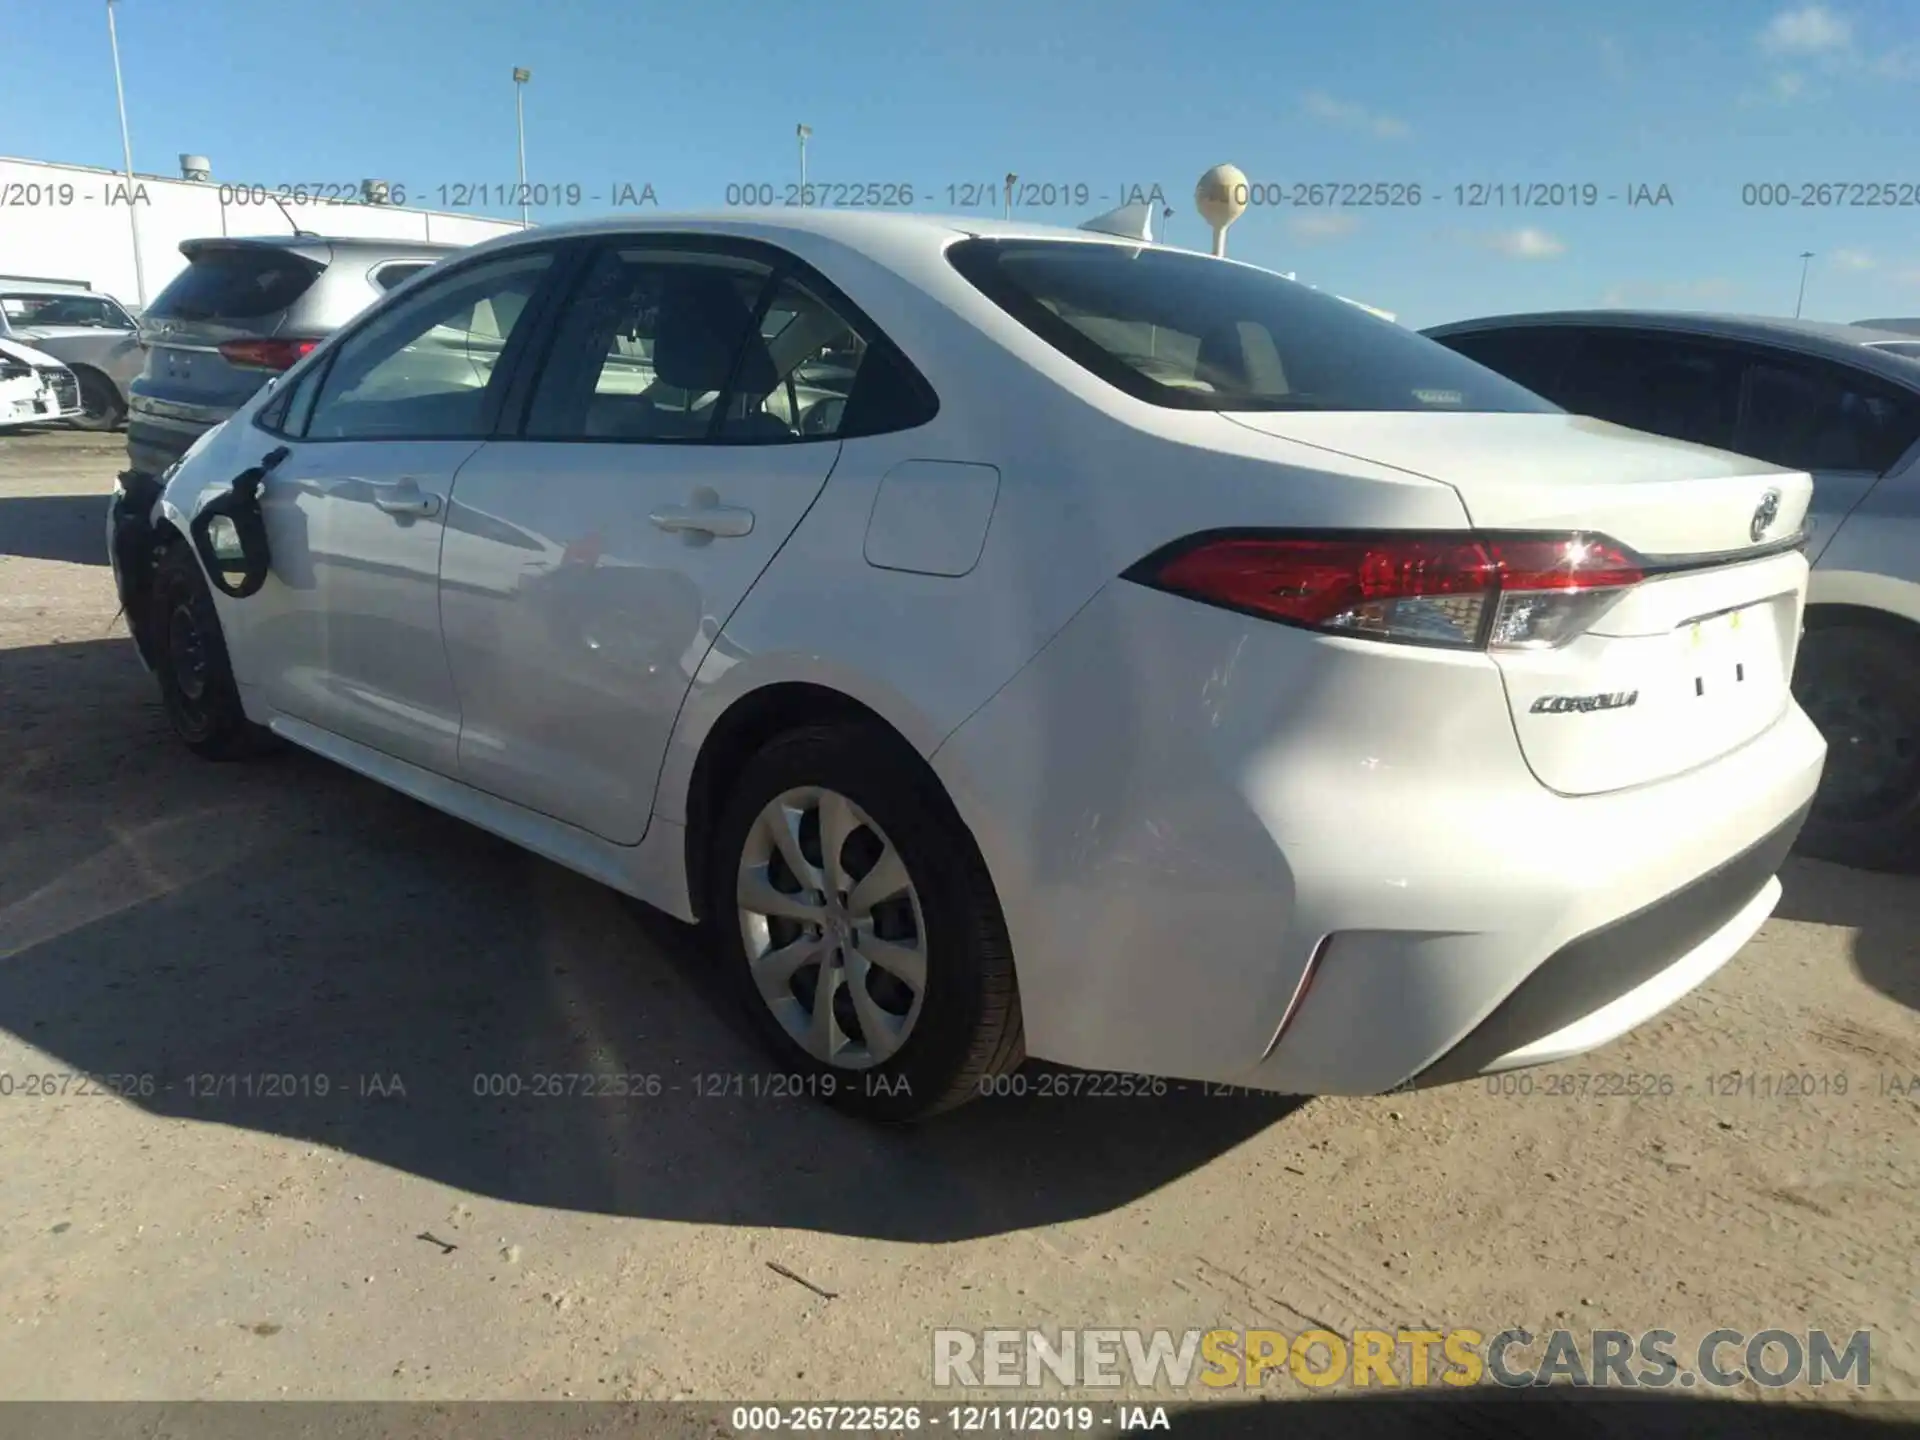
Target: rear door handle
{"x":727,"y":520}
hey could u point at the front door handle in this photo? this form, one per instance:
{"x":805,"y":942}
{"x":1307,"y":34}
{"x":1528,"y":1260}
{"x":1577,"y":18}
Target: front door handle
{"x":727,"y":520}
{"x":405,"y":500}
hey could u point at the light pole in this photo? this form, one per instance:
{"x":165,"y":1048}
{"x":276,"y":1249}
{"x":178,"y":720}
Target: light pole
{"x":126,"y":151}
{"x":520,"y":78}
{"x":803,"y":133}
{"x":1805,"y":256}
{"x":1012,"y":180}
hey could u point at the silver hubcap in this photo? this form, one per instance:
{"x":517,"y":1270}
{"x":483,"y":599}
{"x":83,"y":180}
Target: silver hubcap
{"x":832,"y":927}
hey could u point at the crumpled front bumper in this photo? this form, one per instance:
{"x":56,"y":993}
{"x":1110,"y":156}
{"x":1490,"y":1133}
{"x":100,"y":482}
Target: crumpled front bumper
{"x":132,"y":545}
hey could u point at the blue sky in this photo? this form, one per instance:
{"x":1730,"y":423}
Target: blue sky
{"x":1701,"y":96}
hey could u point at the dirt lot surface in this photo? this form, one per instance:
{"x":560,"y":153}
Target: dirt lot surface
{"x":216,"y":1233}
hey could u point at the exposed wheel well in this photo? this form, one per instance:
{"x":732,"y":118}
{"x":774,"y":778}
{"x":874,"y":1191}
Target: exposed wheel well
{"x":753,"y":721}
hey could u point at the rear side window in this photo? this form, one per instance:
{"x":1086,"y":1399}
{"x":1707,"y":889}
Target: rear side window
{"x":1531,"y":355}
{"x":1822,"y":417}
{"x":1190,"y":332}
{"x":388,"y":276}
{"x":235,"y":285}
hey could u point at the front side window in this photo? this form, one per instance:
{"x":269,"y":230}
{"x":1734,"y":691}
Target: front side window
{"x":422,"y":368}
{"x":91,"y":312}
{"x":1190,"y":332}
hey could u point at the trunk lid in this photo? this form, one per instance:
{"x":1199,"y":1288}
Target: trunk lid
{"x":1689,"y":664}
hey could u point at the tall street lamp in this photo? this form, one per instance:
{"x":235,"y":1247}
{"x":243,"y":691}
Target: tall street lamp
{"x":1805,"y":256}
{"x":126,"y":151}
{"x":804,"y":134}
{"x":520,"y":78}
{"x":1012,"y":180}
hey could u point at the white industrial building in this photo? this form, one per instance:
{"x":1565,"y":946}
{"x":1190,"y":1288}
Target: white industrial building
{"x":71,"y":222}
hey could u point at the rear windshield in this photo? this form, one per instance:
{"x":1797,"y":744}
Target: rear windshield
{"x":1194,"y":333}
{"x":234,"y":285}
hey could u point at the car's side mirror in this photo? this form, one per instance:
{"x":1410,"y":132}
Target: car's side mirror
{"x":230,"y":533}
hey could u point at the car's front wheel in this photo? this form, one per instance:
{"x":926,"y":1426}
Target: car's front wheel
{"x":101,"y":407}
{"x":859,"y":922}
{"x":190,"y":661}
{"x":1861,"y":686}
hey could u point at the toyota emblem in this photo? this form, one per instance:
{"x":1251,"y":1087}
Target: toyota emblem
{"x":1764,"y":514}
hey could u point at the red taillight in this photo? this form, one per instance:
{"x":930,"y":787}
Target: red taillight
{"x":1504,"y":591}
{"x":266,"y":354}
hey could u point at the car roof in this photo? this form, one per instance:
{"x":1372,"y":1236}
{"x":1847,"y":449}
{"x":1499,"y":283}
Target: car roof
{"x":47,"y":287}
{"x":877,"y":233}
{"x":1854,"y":344}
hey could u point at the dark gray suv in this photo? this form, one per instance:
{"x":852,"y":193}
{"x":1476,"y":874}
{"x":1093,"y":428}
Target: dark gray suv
{"x":241,"y":312}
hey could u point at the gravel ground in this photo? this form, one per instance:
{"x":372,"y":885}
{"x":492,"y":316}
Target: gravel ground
{"x":402,"y":1236}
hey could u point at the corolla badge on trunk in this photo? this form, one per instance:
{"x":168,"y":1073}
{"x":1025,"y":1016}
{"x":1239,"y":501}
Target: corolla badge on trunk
{"x":1764,"y":514}
{"x":1583,"y":704}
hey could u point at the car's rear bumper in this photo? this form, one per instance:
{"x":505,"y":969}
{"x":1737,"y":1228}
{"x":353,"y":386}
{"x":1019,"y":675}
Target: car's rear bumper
{"x":1608,"y":981}
{"x":1229,"y":850}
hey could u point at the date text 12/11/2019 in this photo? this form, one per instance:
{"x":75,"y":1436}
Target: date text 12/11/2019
{"x":967,"y":195}
{"x":454,"y":195}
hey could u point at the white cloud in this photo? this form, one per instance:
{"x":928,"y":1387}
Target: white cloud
{"x":1853,"y":259}
{"x":1787,"y":84}
{"x":1527,"y":244}
{"x":1810,"y":30}
{"x":1345,"y":113}
{"x":1322,"y":225}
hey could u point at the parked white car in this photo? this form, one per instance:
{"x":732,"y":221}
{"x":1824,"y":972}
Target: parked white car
{"x":1147,"y":664}
{"x":35,"y":388}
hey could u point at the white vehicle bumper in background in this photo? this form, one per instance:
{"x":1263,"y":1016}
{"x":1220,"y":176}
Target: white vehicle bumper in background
{"x":37,"y":397}
{"x":1184,"y":808}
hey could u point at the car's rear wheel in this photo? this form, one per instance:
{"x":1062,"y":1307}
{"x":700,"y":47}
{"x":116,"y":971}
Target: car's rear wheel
{"x":101,"y":407}
{"x":190,"y":661}
{"x":858,"y":920}
{"x":1861,"y":686}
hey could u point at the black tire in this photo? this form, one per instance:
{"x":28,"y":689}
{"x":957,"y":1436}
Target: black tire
{"x":101,"y":405}
{"x":1861,"y":686}
{"x":190,"y":661}
{"x":968,"y":1026}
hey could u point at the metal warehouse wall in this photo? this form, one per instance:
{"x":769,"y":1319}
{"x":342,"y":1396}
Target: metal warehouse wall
{"x":69,"y":222}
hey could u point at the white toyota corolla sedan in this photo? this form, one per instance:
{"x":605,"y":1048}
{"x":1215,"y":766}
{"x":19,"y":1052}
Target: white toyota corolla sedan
{"x":1009,"y":641}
